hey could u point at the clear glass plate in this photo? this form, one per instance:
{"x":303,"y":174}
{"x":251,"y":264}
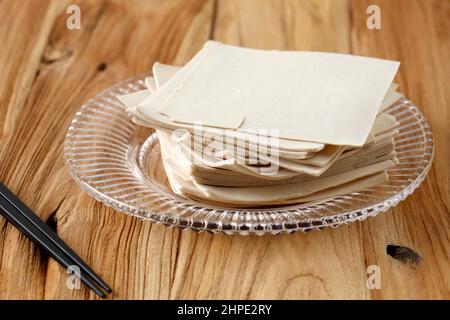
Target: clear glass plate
{"x":119,"y":164}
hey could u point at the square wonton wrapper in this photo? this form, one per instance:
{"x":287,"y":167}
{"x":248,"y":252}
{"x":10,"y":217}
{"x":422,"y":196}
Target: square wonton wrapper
{"x":168,"y":71}
{"x":309,"y":96}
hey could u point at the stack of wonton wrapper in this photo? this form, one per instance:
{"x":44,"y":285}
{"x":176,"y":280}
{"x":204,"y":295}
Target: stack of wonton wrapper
{"x":244,"y":127}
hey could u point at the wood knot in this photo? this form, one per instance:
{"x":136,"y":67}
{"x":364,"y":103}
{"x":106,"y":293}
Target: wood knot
{"x":404,"y":254}
{"x":102,"y":66}
{"x":52,"y":221}
{"x":52,"y":54}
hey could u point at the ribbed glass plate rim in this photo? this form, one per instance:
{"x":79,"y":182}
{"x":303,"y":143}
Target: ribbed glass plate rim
{"x":173,"y":210}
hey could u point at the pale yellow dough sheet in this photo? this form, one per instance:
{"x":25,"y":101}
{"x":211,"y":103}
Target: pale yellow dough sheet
{"x":286,"y":148}
{"x":150,"y":84}
{"x":309,"y":171}
{"x":233,"y":176}
{"x":133,"y":99}
{"x":197,"y":165}
{"x":266,"y":194}
{"x":315,"y":165}
{"x":341,"y":93}
{"x":383,"y":123}
{"x":317,"y":160}
{"x":297,"y":149}
{"x":346,"y":188}
{"x":214,"y":176}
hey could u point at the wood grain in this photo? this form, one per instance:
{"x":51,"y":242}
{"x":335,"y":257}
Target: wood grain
{"x":48,"y":71}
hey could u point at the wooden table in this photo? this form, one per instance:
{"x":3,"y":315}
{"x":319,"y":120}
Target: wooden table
{"x":47,"y":71}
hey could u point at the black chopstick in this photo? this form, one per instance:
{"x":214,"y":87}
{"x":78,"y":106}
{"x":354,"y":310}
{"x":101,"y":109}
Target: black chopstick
{"x":16,"y":212}
{"x":20,"y":222}
{"x":44,"y":228}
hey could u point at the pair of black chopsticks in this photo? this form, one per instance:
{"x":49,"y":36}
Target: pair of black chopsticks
{"x":17,"y":213}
